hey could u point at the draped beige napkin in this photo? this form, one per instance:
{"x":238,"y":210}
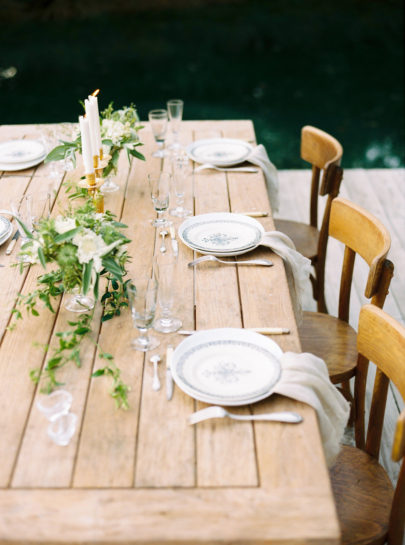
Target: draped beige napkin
{"x":259,"y":157}
{"x":305,"y":378}
{"x":297,"y":266}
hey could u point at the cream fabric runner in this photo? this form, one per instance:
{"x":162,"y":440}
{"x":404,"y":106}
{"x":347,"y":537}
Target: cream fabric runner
{"x":305,"y":378}
{"x":259,"y":157}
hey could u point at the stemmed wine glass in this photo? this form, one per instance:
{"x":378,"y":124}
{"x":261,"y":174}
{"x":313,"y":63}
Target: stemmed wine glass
{"x":160,"y":192}
{"x":158,"y":121}
{"x":142,"y":300}
{"x":175,"y":110}
{"x":167,"y":267}
{"x":181,"y":172}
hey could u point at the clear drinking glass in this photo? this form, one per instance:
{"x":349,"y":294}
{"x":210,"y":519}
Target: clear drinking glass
{"x":167,"y":267}
{"x":23,"y":211}
{"x":175,"y":111}
{"x":160,"y":193}
{"x":158,"y":121}
{"x":181,"y":172}
{"x":55,"y":404}
{"x":142,"y":299}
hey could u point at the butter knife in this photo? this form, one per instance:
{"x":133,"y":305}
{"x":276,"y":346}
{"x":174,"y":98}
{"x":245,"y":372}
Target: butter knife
{"x":262,"y":330}
{"x":169,"y":377}
{"x":175,"y":244}
{"x":11,"y":245}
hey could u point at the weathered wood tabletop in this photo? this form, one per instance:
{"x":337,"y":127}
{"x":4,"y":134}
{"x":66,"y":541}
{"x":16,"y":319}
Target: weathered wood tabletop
{"x":145,"y":476}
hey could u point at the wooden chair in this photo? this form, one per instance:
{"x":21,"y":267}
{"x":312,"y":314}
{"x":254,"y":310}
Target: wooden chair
{"x":370,"y":511}
{"x":332,"y":338}
{"x":324,"y":153}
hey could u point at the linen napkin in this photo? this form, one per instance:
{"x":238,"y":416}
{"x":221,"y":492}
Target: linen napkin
{"x":259,"y":157}
{"x":305,"y":378}
{"x":297,"y":266}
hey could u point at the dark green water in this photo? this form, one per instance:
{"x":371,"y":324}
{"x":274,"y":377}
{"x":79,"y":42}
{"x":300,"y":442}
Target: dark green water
{"x":338,"y":66}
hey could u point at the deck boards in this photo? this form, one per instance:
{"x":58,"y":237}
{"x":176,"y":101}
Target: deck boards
{"x":381,"y":192}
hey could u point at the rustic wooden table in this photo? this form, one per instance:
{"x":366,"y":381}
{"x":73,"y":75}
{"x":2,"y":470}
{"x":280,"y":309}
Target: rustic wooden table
{"x":145,"y":476}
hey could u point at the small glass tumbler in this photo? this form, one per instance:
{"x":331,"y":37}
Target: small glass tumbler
{"x":158,"y":121}
{"x":55,"y":404}
{"x":159,"y":186}
{"x":167,"y":267}
{"x":181,"y":173}
{"x":175,"y":111}
{"x":61,"y":429}
{"x":142,"y":300}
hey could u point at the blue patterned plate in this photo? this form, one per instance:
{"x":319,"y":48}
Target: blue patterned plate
{"x":227,"y":366}
{"x":221,"y":233}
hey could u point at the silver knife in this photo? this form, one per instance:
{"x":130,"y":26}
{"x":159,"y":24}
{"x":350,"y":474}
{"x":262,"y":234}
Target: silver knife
{"x":175,"y":244}
{"x":169,"y":377}
{"x":10,"y":247}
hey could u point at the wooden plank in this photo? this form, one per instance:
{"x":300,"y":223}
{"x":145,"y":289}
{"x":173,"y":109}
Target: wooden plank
{"x":217,"y":306}
{"x":141,"y":517}
{"x":114,"y":439}
{"x":168,"y":459}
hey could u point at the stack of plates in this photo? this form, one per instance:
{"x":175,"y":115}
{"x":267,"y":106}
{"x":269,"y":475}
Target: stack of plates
{"x":221,"y":234}
{"x":21,"y":154}
{"x":5,"y":229}
{"x":219,"y":151}
{"x":227,"y":366}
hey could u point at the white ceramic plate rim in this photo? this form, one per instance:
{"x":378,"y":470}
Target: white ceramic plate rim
{"x":202,"y":337}
{"x":7,"y":235}
{"x":217,"y":142}
{"x":220,"y":216}
{"x":40,"y":150}
{"x":21,"y":166}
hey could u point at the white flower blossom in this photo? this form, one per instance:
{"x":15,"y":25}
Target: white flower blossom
{"x":89,"y":246}
{"x":62,"y":225}
{"x":115,"y":130}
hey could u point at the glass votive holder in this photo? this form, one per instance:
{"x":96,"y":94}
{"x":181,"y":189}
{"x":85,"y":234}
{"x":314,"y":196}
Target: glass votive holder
{"x":55,"y":404}
{"x":61,"y":429}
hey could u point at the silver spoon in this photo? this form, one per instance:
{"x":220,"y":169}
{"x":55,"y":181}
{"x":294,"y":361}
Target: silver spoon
{"x":220,"y":412}
{"x":264,"y":262}
{"x":156,"y":382}
{"x":163,"y":233}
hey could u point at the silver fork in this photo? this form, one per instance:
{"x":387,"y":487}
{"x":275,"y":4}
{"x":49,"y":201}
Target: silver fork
{"x":226,"y":169}
{"x":264,"y":262}
{"x":219,"y":412}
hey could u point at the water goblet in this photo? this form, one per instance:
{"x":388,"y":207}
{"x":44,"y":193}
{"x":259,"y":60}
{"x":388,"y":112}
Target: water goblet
{"x":167,"y":267}
{"x":181,"y":172}
{"x":160,"y":193}
{"x":142,"y":299}
{"x":175,"y":111}
{"x":158,"y":121}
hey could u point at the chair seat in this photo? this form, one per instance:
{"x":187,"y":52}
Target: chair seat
{"x":305,"y":237}
{"x":363,"y":495}
{"x":332,"y":340}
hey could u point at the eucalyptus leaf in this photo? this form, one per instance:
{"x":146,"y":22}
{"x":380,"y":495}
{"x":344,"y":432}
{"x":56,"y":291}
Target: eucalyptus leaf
{"x":67,"y":235}
{"x":41,"y":257}
{"x":88,"y":267}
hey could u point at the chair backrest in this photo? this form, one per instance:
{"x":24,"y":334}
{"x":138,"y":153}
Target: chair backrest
{"x":381,"y":339}
{"x":321,"y":150}
{"x":362,"y":234}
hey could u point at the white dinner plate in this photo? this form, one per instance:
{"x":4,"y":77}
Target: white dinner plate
{"x":221,"y":233}
{"x":219,"y":151}
{"x":227,"y":366}
{"x":5,"y":229}
{"x":21,"y":151}
{"x":10,"y":167}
